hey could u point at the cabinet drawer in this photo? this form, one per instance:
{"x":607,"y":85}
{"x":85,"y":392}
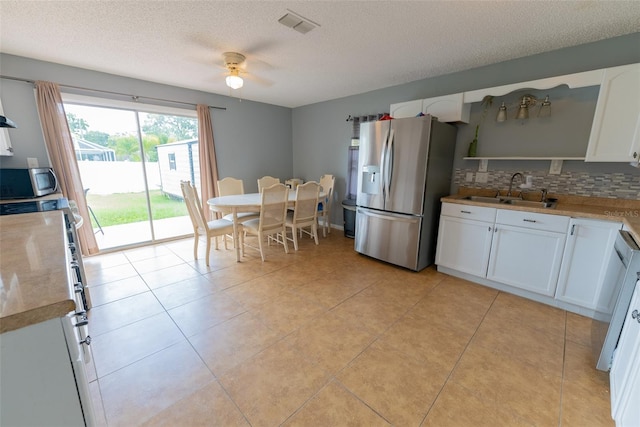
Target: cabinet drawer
{"x":536,"y":221}
{"x":477,"y":213}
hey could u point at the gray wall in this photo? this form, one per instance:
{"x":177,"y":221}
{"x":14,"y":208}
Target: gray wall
{"x":252,"y":139}
{"x":321,"y":135}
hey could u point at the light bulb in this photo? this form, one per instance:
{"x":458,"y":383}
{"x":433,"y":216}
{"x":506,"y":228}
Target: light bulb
{"x":234,"y":81}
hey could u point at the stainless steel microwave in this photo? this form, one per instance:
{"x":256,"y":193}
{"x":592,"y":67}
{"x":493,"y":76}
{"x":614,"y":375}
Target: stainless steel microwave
{"x":27,"y":183}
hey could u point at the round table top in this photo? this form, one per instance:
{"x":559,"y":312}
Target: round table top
{"x":244,"y":200}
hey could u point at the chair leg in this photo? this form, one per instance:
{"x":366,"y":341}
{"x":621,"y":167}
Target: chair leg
{"x":195,"y":245}
{"x":208,"y":252}
{"x":96,"y":220}
{"x":314,"y":232}
{"x":260,"y":238}
{"x":294,"y":234}
{"x":284,"y":241}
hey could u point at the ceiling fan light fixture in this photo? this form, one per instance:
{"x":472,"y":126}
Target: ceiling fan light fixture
{"x":234,"y":81}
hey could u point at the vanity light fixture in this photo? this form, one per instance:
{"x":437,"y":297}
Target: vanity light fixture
{"x":525,"y":102}
{"x":545,"y":108}
{"x":502,"y":113}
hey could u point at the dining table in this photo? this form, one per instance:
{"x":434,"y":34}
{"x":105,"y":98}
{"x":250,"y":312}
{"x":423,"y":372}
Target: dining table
{"x":241,"y":203}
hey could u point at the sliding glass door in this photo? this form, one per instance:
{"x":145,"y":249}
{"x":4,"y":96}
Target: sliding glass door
{"x":131,"y":162}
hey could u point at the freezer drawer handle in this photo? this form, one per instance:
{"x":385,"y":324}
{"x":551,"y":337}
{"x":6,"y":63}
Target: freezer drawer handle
{"x":388,"y":217}
{"x":466,"y":212}
{"x":529,"y":220}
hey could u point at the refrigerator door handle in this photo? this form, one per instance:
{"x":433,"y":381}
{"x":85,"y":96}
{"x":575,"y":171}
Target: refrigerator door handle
{"x":388,"y":169}
{"x":383,"y":163}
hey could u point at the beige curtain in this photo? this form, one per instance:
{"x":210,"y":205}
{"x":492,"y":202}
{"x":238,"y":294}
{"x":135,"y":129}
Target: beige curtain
{"x":207,"y":152}
{"x":59,"y":144}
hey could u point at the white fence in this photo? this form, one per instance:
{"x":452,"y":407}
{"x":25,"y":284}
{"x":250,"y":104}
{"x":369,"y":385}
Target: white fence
{"x":118,"y":177}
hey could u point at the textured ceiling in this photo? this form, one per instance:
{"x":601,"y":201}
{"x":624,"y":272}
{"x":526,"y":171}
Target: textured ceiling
{"x":359,"y":46}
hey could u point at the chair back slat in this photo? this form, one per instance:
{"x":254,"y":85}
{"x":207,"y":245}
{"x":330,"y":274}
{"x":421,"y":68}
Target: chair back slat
{"x":267,"y":181}
{"x":229,"y":186}
{"x":327,"y":182}
{"x":273,"y":210}
{"x":194,"y":207}
{"x":306,"y":205}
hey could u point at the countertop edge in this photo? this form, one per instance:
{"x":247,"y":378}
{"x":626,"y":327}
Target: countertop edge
{"x":36,"y":315}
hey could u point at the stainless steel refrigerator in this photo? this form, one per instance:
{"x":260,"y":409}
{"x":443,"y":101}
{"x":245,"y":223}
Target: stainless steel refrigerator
{"x":404,"y":168}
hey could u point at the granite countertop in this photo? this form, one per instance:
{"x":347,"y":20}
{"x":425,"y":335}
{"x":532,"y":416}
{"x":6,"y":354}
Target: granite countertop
{"x":626,"y":211}
{"x":34,"y":269}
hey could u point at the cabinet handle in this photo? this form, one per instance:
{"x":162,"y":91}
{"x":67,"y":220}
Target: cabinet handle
{"x":465,"y":212}
{"x":635,"y":315}
{"x":529,"y":220}
{"x":573,"y":228}
{"x":87,"y":340}
{"x":635,"y":154}
{"x":489,"y":228}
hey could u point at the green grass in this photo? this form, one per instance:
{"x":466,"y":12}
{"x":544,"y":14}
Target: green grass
{"x":125,"y":208}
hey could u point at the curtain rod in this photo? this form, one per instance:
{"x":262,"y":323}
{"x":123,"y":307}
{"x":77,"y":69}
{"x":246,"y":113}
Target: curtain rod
{"x":134,"y":97}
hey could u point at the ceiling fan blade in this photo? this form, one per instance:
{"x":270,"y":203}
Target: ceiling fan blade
{"x":260,"y":80}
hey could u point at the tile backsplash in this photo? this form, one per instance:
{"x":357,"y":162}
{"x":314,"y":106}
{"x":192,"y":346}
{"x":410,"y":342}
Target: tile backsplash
{"x":611,"y":185}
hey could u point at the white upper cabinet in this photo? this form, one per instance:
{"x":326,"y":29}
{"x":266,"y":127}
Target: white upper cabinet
{"x":448,"y":108}
{"x":406,"y":109}
{"x":616,"y":123}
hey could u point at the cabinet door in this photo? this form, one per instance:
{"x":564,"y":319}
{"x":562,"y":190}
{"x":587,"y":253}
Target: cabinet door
{"x":464,"y":245}
{"x":526,"y":258}
{"x":625,"y":377}
{"x":616,"y":121}
{"x":584,"y":265}
{"x":406,"y":109}
{"x":448,"y":108}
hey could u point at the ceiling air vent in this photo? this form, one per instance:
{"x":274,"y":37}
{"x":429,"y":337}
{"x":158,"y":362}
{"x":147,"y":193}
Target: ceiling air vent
{"x":297,"y":22}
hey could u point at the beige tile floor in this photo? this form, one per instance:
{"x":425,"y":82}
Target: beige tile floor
{"x":327,"y":337}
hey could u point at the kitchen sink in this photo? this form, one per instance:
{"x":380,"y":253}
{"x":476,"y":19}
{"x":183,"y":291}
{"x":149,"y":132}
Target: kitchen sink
{"x":483,"y":199}
{"x":511,"y":201}
{"x":530,"y":204}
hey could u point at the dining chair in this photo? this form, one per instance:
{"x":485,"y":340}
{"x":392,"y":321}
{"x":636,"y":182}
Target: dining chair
{"x":202,"y":227}
{"x":230,"y":186}
{"x":273,"y":212}
{"x":305,"y":212}
{"x":324,"y":206}
{"x":267,"y":181}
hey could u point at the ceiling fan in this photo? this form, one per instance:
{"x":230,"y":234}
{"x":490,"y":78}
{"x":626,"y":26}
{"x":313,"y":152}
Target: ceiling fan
{"x":232,"y":61}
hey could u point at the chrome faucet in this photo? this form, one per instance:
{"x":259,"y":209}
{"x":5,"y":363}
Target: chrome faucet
{"x":543,"y":196}
{"x":511,"y":182}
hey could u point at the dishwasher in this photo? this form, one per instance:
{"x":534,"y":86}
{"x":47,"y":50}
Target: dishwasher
{"x":623,"y":272}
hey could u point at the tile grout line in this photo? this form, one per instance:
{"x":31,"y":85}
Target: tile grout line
{"x":460,"y":357}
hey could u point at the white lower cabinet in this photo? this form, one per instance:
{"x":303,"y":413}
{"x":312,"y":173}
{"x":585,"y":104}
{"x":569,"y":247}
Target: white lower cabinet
{"x":464,"y":244}
{"x":584,"y":267}
{"x":526,"y":251}
{"x":625,"y":371}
